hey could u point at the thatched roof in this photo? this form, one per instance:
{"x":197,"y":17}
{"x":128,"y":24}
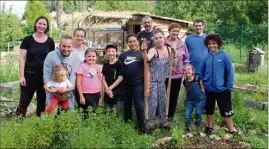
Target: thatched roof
{"x":111,"y":18}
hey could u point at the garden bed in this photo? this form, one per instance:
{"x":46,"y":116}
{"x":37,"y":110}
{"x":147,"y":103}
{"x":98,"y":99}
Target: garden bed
{"x":10,"y":87}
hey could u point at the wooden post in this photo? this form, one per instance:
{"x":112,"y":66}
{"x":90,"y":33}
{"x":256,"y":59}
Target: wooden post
{"x":14,"y":46}
{"x":8,"y":47}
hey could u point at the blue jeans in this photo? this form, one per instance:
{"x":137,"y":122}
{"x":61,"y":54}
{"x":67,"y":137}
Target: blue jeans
{"x":199,"y":105}
{"x":135,"y":94}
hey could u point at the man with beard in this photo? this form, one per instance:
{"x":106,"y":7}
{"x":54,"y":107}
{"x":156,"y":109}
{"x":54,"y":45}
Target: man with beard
{"x":195,"y":44}
{"x":147,"y":33}
{"x":62,"y":56}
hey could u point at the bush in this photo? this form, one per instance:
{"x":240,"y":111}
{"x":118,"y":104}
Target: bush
{"x":9,"y":70}
{"x":70,"y":131}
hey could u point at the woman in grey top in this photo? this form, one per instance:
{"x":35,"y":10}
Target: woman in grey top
{"x":78,"y":44}
{"x":159,"y":58}
{"x":79,"y":49}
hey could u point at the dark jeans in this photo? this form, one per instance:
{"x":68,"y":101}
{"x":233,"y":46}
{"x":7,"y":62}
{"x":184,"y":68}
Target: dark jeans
{"x":174,"y":92}
{"x":34,"y":83}
{"x":135,"y":94}
{"x":115,"y":108}
{"x":90,"y":100}
{"x":77,"y":97}
{"x":199,"y":105}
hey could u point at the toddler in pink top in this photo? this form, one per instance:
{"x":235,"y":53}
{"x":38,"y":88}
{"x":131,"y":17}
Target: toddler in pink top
{"x":89,"y":82}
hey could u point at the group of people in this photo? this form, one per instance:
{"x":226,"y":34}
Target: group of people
{"x":69,"y":74}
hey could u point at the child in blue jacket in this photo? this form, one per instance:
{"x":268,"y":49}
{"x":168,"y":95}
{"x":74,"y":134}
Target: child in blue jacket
{"x":218,"y":79}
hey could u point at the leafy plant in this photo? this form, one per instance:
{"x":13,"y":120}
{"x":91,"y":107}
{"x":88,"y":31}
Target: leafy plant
{"x":9,"y":69}
{"x":68,"y":130}
{"x":11,"y":28}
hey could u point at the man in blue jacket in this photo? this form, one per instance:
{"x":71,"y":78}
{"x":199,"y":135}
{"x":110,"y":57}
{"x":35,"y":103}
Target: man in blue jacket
{"x":218,"y":79}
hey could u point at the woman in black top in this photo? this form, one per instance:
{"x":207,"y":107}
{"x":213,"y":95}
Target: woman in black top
{"x":33,"y":51}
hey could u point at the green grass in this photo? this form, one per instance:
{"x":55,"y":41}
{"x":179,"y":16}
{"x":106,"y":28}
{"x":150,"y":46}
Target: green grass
{"x":245,"y":119}
{"x":259,"y":78}
{"x":9,"y":70}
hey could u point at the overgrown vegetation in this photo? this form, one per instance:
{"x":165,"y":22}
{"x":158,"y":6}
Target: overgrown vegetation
{"x":70,"y":131}
{"x":11,"y":29}
{"x":9,"y":69}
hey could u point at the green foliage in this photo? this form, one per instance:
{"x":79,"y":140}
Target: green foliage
{"x":141,"y":6}
{"x":185,"y":10}
{"x":70,"y":131}
{"x":227,"y":12}
{"x":33,"y":10}
{"x":252,"y":34}
{"x":177,"y":135}
{"x":255,"y":141}
{"x":50,"y":5}
{"x":9,"y":69}
{"x":11,"y":29}
{"x":70,"y":6}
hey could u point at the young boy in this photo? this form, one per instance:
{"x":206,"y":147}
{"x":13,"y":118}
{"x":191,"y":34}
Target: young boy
{"x":195,"y":97}
{"x":218,"y":78}
{"x":110,"y":72}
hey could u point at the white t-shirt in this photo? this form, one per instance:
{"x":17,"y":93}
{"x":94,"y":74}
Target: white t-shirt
{"x":65,"y":84}
{"x":81,"y":53}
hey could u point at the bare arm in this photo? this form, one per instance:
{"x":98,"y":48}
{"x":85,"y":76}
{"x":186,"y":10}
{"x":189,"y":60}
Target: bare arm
{"x":48,"y":89}
{"x":104,"y":82}
{"x":78,"y":82}
{"x":151,"y":54}
{"x":116,"y":83}
{"x":173,"y":54}
{"x":22,"y":60}
{"x":202,"y":86}
{"x":68,"y":90}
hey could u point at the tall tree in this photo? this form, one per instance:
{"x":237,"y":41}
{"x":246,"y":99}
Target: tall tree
{"x":33,"y":10}
{"x":11,"y":28}
{"x":59,"y":11}
{"x":50,"y":5}
{"x":68,"y":6}
{"x":141,"y":6}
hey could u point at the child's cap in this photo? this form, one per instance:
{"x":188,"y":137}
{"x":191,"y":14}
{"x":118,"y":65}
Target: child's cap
{"x":111,"y":46}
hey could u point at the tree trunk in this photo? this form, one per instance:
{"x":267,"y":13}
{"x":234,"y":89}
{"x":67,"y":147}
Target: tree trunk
{"x":59,"y":11}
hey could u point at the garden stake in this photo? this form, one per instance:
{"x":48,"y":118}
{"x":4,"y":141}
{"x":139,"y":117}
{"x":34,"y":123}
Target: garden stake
{"x":148,"y":125}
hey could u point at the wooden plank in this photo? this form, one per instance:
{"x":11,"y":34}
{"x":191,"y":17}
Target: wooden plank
{"x":256,"y":104}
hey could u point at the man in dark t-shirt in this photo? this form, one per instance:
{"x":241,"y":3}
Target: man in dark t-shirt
{"x":147,"y":33}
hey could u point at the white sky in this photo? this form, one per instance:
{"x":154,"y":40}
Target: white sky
{"x":17,"y":6}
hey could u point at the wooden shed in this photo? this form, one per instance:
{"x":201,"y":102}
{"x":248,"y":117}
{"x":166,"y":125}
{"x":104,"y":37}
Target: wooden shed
{"x":102,"y":25}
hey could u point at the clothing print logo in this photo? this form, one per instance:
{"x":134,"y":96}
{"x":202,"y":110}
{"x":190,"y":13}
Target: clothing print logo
{"x":129,"y":60}
{"x":92,"y":73}
{"x":229,"y":113}
{"x":68,"y":69}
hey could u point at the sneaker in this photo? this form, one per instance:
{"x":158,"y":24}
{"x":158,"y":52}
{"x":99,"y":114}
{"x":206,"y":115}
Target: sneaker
{"x":187,"y":130}
{"x":234,"y":132}
{"x":208,"y":130}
